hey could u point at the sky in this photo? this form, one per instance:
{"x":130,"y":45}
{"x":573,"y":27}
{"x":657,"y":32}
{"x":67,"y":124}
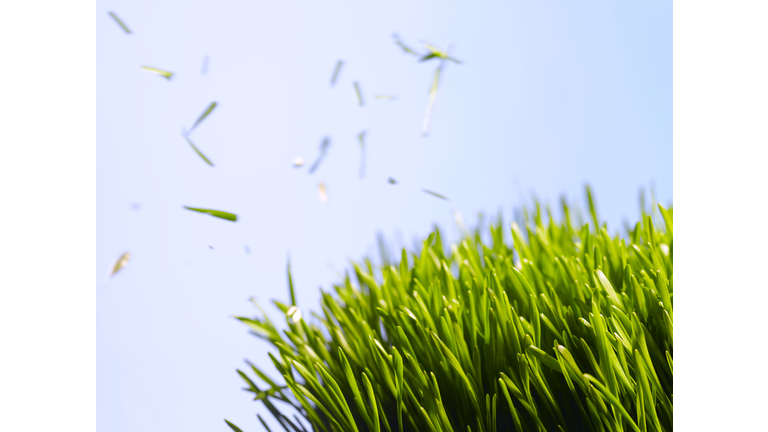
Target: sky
{"x":549,"y":96}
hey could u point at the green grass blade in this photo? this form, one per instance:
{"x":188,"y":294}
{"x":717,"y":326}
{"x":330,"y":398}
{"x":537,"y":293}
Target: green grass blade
{"x":263,"y":423}
{"x":205,"y":114}
{"x":165,"y":74}
{"x":199,"y":153}
{"x":120,"y":23}
{"x":404,"y":47}
{"x":336,"y":71}
{"x":372,"y":401}
{"x":432,"y":96}
{"x":435,"y":194}
{"x":290,"y":283}
{"x":233,"y":427}
{"x":358,"y":93}
{"x":216,"y":213}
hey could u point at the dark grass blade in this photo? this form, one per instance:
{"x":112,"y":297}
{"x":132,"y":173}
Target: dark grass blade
{"x":435,"y":194}
{"x":120,"y":23}
{"x":205,"y":114}
{"x":323,"y":149}
{"x":358,"y":93}
{"x":336,"y":72}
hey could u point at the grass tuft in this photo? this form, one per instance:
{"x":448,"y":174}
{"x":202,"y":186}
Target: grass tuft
{"x":565,"y":329}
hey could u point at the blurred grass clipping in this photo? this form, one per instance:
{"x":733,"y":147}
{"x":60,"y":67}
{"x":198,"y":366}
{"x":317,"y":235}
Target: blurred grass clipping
{"x":567,"y":329}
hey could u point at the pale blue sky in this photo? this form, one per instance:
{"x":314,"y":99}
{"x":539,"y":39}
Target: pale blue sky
{"x":550,"y":95}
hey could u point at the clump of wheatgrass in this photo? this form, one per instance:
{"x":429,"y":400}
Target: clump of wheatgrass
{"x":566,"y":329}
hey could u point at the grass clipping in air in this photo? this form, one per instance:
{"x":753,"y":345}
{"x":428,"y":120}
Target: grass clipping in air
{"x":568,"y":329}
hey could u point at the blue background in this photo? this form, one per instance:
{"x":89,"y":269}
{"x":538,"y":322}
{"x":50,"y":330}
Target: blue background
{"x":550,"y":95}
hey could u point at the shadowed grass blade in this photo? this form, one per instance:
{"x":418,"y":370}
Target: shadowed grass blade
{"x":120,"y":23}
{"x":336,"y":71}
{"x":205,"y":114}
{"x":435,"y":194}
{"x":358,"y":93}
{"x":323,"y":149}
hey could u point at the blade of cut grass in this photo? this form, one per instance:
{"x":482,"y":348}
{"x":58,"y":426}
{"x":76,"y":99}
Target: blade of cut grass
{"x":202,"y":117}
{"x":324,"y":145}
{"x":120,"y":23}
{"x":358,"y":93}
{"x":434,"y":194}
{"x":199,"y":153}
{"x":216,"y":213}
{"x":336,"y":71}
{"x":361,"y":138}
{"x":121,"y":263}
{"x":432,"y":97}
{"x":165,"y":74}
{"x":404,"y":47}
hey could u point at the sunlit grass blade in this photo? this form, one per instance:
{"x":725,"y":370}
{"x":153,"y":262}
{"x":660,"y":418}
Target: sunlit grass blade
{"x":336,"y":72}
{"x":165,"y":74}
{"x":322,"y":193}
{"x":290,"y":283}
{"x":216,"y":213}
{"x":199,"y":153}
{"x":298,"y":162}
{"x":391,"y":181}
{"x":432,"y":97}
{"x":120,"y":23}
{"x":358,"y":93}
{"x":435,"y":194}
{"x":205,"y":114}
{"x":434,"y":52}
{"x":121,"y":263}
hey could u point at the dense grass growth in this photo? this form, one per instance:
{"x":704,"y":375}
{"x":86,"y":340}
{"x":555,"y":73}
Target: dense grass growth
{"x":566,"y":329}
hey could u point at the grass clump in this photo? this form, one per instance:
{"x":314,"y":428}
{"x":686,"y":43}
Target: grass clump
{"x":567,"y":329}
